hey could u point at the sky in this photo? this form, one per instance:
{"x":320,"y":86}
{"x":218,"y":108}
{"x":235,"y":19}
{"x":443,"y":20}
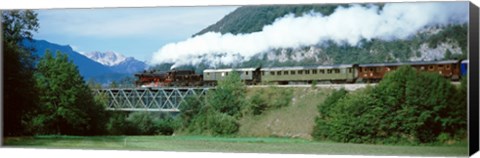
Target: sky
{"x":133,"y":32}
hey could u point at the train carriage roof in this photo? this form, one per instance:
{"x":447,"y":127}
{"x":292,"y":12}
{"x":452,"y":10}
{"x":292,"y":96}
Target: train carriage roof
{"x":410,"y":63}
{"x":152,"y":73}
{"x":229,"y":70}
{"x":307,"y":67}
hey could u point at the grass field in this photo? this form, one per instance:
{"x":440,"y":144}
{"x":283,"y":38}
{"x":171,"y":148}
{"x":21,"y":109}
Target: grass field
{"x":225,"y":144}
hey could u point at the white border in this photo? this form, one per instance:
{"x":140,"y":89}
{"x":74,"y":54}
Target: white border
{"x":45,"y":4}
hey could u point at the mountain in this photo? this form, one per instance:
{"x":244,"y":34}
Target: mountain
{"x":88,"y":68}
{"x":129,"y":65}
{"x":248,"y":19}
{"x":108,"y":58}
{"x":117,"y":62}
{"x":438,"y":42}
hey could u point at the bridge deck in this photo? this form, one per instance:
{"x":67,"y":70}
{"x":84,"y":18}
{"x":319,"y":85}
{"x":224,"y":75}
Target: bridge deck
{"x":149,"y":99}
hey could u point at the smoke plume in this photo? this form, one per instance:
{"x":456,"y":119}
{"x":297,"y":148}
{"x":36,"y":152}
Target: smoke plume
{"x":346,"y":25}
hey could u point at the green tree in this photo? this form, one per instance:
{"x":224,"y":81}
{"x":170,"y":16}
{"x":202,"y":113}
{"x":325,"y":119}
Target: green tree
{"x":67,"y":105}
{"x":20,"y":95}
{"x":229,"y":96}
{"x":218,"y":113}
{"x":320,"y":130}
{"x":191,"y":108}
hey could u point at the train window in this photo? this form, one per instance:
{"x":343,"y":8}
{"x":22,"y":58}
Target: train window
{"x":337,"y":71}
{"x":272,"y":73}
{"x":246,"y":72}
{"x":454,"y":66}
{"x":226,"y":73}
{"x":329,"y":71}
{"x":314,"y":71}
{"x":379,"y":69}
{"x":440,"y":67}
{"x":300,"y":72}
{"x":285,"y":72}
{"x":292,"y":72}
{"x":430,"y":67}
{"x":307,"y":72}
{"x":279,"y":73}
{"x":263,"y":73}
{"x":371,"y":69}
{"x":223,"y":74}
{"x":349,"y":70}
{"x":322,"y":71}
{"x":208,"y":74}
{"x":447,"y":67}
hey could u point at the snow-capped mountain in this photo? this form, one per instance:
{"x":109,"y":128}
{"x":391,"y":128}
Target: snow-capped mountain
{"x":129,"y":65}
{"x":108,"y":58}
{"x":117,"y":62}
{"x":88,"y":68}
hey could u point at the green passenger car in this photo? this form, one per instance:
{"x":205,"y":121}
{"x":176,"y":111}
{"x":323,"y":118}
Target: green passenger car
{"x":249,"y":75}
{"x":292,"y":75}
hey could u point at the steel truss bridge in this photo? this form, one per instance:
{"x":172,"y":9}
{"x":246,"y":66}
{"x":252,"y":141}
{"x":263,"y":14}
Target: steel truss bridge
{"x":148,"y":99}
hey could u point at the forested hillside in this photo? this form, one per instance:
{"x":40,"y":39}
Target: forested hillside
{"x":430,"y":43}
{"x":250,"y":19}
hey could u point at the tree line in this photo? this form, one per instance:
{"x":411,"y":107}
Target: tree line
{"x":406,"y":107}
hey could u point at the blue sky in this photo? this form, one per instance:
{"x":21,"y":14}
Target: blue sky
{"x":136,"y":32}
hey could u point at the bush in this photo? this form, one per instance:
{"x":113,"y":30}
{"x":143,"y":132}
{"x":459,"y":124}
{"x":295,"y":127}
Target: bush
{"x":189,"y":110}
{"x":257,"y":105}
{"x":405,"y":107}
{"x":142,"y":123}
{"x":118,"y":125}
{"x":222,"y":124}
{"x":165,"y":126}
{"x":269,"y":98}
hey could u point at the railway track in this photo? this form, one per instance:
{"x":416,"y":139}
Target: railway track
{"x":348,"y":87}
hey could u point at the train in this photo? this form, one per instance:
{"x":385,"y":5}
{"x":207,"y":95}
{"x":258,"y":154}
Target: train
{"x":343,"y":73}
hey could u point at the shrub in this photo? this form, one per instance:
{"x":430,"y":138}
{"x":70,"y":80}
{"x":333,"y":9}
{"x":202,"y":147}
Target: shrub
{"x":269,"y":98}
{"x":165,"y":126}
{"x":257,"y":105}
{"x":118,"y":125}
{"x":189,"y":110}
{"x":142,"y":123}
{"x":222,"y":124}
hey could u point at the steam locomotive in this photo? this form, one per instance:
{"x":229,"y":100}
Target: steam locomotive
{"x":345,"y":73}
{"x":168,"y":79}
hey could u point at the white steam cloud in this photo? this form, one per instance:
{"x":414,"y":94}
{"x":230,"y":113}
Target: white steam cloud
{"x":344,"y":26}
